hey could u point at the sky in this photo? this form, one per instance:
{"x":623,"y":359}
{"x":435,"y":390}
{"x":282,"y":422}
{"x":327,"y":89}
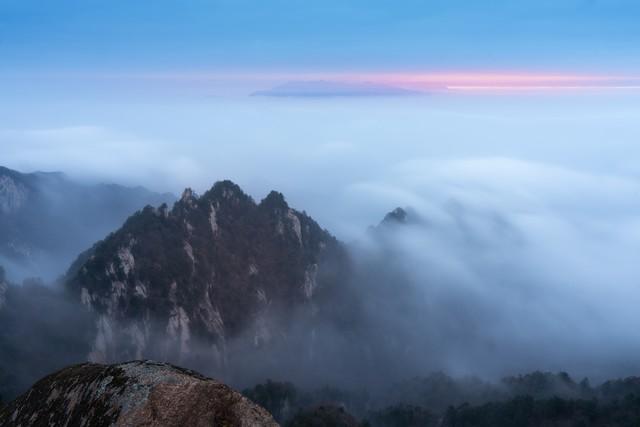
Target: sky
{"x":120,"y":38}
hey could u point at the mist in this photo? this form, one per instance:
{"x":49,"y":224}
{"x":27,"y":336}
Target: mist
{"x":43,"y":330}
{"x":314,"y":149}
{"x":47,"y":219}
{"x":520,"y":248}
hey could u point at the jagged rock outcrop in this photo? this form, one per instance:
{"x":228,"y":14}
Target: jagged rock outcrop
{"x":140,"y":393}
{"x":393,"y":221}
{"x":46,"y":219}
{"x":401,"y":216}
{"x":398,"y":215}
{"x":175,"y":282}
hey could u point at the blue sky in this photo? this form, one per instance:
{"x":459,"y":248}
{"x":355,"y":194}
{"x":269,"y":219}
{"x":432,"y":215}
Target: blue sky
{"x":334,"y":35}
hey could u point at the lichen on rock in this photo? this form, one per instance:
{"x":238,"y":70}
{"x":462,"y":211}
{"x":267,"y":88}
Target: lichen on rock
{"x":140,"y":393}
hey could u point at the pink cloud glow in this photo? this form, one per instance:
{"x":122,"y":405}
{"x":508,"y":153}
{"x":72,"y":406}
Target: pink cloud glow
{"x":501,"y":81}
{"x":426,"y":81}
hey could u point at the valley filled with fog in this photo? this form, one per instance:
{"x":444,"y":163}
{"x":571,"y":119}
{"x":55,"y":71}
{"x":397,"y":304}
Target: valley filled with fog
{"x":514,"y":251}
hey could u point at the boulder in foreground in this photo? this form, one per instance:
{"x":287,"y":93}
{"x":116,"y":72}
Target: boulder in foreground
{"x":140,"y":393}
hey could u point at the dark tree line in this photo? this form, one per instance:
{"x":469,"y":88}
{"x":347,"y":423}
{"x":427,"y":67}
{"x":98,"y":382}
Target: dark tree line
{"x":534,"y":400}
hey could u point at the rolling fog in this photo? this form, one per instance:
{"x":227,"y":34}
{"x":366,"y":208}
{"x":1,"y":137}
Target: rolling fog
{"x":523,"y":246}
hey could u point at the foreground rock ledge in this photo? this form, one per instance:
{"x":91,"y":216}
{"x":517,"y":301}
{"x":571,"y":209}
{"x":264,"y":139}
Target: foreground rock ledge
{"x":140,"y":393}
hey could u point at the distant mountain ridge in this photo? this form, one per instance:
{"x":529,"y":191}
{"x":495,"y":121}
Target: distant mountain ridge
{"x":324,"y":88}
{"x":46,"y":219}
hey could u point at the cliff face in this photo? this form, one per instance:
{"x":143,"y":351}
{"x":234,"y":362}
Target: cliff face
{"x":132,"y":394}
{"x":174,"y":282}
{"x":13,"y":192}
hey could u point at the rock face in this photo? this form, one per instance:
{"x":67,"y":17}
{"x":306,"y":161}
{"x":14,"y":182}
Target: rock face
{"x":46,"y":219}
{"x":132,"y":394}
{"x":13,"y":194}
{"x":209,"y":269}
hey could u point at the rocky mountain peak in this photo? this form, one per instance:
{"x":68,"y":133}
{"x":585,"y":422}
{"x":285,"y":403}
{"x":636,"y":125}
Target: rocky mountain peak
{"x":212,"y":268}
{"x":226,"y":191}
{"x":274,"y":200}
{"x":396,"y":216}
{"x":133,"y":393}
{"x":188,"y":196}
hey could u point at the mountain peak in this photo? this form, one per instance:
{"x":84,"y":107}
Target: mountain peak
{"x":274,"y":199}
{"x":205,"y":259}
{"x":225,"y":190}
{"x":188,"y":195}
{"x":396,"y":216}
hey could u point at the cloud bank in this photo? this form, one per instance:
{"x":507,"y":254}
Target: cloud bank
{"x":525,"y":253}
